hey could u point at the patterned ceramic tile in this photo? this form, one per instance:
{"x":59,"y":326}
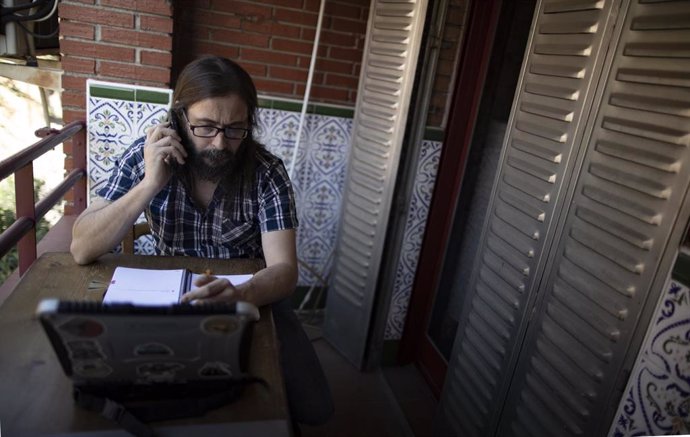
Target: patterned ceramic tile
{"x":318,"y":179}
{"x":113,"y":124}
{"x":415,"y":225}
{"x":657,"y":399}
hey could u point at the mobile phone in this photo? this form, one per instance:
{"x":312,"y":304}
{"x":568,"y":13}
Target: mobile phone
{"x":175,"y":124}
{"x":174,"y":121}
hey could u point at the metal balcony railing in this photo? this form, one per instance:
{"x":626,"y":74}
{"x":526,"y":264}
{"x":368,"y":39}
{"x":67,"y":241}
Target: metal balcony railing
{"x":22,"y":232}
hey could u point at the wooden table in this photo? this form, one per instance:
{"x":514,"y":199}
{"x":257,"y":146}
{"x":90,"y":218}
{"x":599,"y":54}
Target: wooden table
{"x":36,"y":396}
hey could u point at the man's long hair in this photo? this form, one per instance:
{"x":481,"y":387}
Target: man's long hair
{"x":215,"y":76}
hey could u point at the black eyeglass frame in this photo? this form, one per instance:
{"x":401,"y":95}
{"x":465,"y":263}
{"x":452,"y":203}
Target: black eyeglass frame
{"x":227,"y":130}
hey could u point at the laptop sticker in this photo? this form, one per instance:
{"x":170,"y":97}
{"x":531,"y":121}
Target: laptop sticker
{"x":215,"y":369}
{"x":153,"y":349}
{"x":158,"y":372}
{"x":219,"y":325}
{"x":82,"y":327}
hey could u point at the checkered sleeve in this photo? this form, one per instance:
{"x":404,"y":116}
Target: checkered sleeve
{"x":127,"y":172}
{"x":277,"y":209}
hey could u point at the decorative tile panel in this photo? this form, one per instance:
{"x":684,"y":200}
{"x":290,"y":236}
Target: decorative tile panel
{"x":415,"y":226}
{"x":318,"y":179}
{"x":118,"y":114}
{"x":657,"y":398}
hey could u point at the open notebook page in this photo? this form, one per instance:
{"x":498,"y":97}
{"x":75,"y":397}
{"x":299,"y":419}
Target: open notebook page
{"x":145,"y":286}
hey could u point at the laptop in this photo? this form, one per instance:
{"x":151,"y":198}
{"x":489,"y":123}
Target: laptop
{"x":122,"y":345}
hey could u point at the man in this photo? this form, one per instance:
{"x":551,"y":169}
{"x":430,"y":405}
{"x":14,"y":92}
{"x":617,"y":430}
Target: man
{"x":208,"y":189}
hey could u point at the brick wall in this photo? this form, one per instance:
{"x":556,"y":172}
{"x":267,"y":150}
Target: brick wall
{"x":132,"y":41}
{"x":273,"y":40}
{"x":126,"y":41}
{"x":453,"y":32}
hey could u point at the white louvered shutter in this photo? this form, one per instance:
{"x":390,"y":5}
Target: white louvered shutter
{"x":542,"y":350}
{"x":628,"y":198}
{"x":388,"y":67}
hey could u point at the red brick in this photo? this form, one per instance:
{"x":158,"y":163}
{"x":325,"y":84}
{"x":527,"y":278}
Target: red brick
{"x":267,"y":56}
{"x":296,"y":4}
{"x":70,"y":29}
{"x":255,"y":70}
{"x":340,"y":80}
{"x":448,"y":52}
{"x":156,"y":24}
{"x":445,"y":67}
{"x":159,"y":59}
{"x":225,"y":21}
{"x":235,"y":37}
{"x":135,"y":72}
{"x":455,"y":14}
{"x":364,"y":4}
{"x":441,"y":83}
{"x":352,"y":96}
{"x":245,"y":10}
{"x":336,"y":9}
{"x":71,"y":82}
{"x":72,"y":98}
{"x":312,"y":5}
{"x":78,"y":65}
{"x":330,"y":93}
{"x":345,"y":54}
{"x":70,"y":115}
{"x":209,"y":48}
{"x":338,"y":39}
{"x":356,"y":69}
{"x":199,"y":17}
{"x":273,"y":29}
{"x":352,"y":26}
{"x":136,"y":38}
{"x":309,"y":33}
{"x":293,"y":74}
{"x":295,"y":17}
{"x":160,"y":7}
{"x":96,"y":15}
{"x":97,"y":50}
{"x":268,"y":86}
{"x":333,"y":66}
{"x":67,"y":148}
{"x":291,"y":46}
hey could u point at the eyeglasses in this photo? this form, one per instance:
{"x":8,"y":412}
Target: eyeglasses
{"x":231,"y":133}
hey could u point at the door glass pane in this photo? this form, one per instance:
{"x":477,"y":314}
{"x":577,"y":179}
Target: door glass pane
{"x":478,"y":180}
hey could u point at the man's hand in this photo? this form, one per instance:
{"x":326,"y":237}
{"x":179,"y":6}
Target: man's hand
{"x":163,"y":147}
{"x":212,"y":289}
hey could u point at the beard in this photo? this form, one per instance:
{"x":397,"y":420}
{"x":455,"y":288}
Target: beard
{"x":211,"y":164}
{"x":234,"y":172}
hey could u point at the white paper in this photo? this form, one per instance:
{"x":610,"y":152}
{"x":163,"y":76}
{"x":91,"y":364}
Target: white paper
{"x":148,"y":287}
{"x":144,"y":286}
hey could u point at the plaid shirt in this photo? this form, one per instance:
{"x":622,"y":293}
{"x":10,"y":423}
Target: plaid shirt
{"x":180,"y":228}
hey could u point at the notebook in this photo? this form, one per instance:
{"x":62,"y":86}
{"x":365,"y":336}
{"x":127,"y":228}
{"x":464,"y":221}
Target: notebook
{"x":101,"y":344}
{"x":155,"y":287}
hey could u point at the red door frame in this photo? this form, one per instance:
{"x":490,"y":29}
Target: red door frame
{"x":475,"y":56}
